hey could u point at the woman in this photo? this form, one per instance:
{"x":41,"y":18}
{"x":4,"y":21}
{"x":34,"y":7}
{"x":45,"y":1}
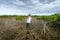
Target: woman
{"x":28,"y":21}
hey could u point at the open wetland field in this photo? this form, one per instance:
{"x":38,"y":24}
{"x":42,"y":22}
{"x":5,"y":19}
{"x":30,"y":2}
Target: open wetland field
{"x":41,"y":28}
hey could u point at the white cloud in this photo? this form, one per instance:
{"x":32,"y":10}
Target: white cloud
{"x":44,"y":7}
{"x":6,"y":10}
{"x":38,"y":6}
{"x":17,"y":2}
{"x":36,"y":3}
{"x":35,"y":7}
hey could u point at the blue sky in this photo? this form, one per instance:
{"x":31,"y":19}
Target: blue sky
{"x":23,"y":7}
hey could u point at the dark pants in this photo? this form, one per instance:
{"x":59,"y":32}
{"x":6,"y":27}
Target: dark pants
{"x":27,"y":25}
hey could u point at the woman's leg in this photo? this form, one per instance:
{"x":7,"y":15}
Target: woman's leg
{"x":27,"y":25}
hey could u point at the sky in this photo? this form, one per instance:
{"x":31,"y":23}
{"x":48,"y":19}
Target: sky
{"x":24,"y":7}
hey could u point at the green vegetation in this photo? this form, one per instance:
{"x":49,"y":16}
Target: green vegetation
{"x":13,"y":16}
{"x":53,"y":19}
{"x":7,"y":16}
{"x":50,"y":18}
{"x":20,"y":17}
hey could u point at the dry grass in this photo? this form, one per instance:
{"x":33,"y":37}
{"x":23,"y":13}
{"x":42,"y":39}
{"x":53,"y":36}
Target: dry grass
{"x":16,"y":30}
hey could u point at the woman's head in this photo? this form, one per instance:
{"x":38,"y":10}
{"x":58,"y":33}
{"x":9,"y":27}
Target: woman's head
{"x":29,"y":15}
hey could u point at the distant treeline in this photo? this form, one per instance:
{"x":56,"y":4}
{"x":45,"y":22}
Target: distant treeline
{"x":55,"y":17}
{"x":20,"y":17}
{"x":9,"y":15}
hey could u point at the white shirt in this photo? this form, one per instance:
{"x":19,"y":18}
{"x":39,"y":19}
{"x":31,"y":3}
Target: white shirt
{"x":29,"y":19}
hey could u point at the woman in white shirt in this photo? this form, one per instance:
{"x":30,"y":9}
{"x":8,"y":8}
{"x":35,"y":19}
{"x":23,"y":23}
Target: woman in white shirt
{"x":28,"y":21}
